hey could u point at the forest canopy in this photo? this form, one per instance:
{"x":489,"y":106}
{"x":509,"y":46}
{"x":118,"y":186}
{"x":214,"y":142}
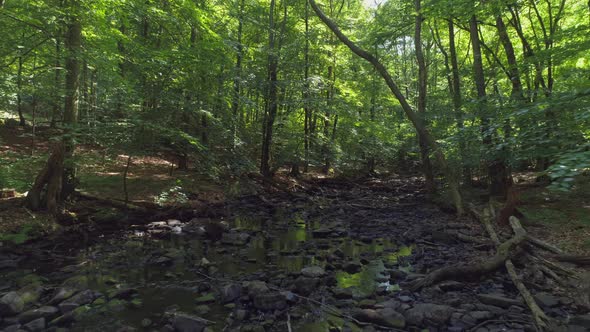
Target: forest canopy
{"x":230,"y":87}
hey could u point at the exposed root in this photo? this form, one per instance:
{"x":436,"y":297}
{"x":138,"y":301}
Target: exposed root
{"x":472,"y":270}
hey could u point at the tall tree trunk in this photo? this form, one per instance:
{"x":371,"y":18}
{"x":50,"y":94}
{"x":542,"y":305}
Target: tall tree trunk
{"x":238,"y":74}
{"x":496,"y":166}
{"x":517,"y":93}
{"x":19,"y":97}
{"x":457,"y":102}
{"x":422,"y":86}
{"x":56,"y":100}
{"x":272,"y":97}
{"x":74,"y":47}
{"x":410,"y":113}
{"x":306,"y":86}
{"x":57,"y":178}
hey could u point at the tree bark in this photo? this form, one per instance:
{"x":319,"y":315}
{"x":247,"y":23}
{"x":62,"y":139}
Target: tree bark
{"x":457,"y":102}
{"x":19,"y":99}
{"x":497,"y":171}
{"x":410,"y":113}
{"x":74,"y":47}
{"x":306,"y":86}
{"x":238,"y":74}
{"x":422,"y":89}
{"x":57,"y":178}
{"x":272,"y":97}
{"x":55,"y":113}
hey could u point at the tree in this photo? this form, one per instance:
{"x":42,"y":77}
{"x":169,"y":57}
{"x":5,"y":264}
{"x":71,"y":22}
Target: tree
{"x":410,"y":113}
{"x":57,"y":178}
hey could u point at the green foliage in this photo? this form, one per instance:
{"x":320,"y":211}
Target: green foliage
{"x":568,"y":166}
{"x":172,"y":196}
{"x":162,"y":78}
{"x":25,"y":233}
{"x":19,"y":172}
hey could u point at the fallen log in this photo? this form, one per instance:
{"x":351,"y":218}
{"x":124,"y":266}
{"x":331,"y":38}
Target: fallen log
{"x":578,"y":260}
{"x":541,"y":320}
{"x":539,"y":317}
{"x":116,"y":203}
{"x":543,"y":245}
{"x":472,"y":270}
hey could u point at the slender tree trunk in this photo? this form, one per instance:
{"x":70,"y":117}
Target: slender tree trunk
{"x":57,"y":178}
{"x":19,"y":98}
{"x":517,"y":93}
{"x":272,"y":97}
{"x":71,"y":108}
{"x":422,"y":89}
{"x":238,"y":74}
{"x":125,"y":174}
{"x":496,"y":166}
{"x":410,"y":113}
{"x":329,"y":92}
{"x":457,"y":102}
{"x":306,"y":108}
{"x":56,"y":100}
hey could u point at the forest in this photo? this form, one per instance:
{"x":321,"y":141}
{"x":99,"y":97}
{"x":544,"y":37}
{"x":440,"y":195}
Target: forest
{"x":295,"y":165}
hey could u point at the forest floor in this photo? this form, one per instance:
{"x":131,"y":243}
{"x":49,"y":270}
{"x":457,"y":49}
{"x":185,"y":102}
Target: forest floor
{"x":328,"y":254}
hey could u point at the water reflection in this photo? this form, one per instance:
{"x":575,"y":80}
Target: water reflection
{"x":286,"y":244}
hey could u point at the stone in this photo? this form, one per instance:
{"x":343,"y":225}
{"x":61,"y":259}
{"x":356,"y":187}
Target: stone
{"x":235,"y":238}
{"x":61,"y":294}
{"x":546,"y":300}
{"x":203,"y":309}
{"x":174,"y":222}
{"x":11,"y":304}
{"x":188,"y":323}
{"x":207,"y":298}
{"x":146,"y":322}
{"x":62,"y":320}
{"x":231,"y":292}
{"x":13,"y":328}
{"x":290,"y":297}
{"x":391,"y":303}
{"x":367,"y":304}
{"x":8,"y":264}
{"x":47,"y":312}
{"x":124,"y":293}
{"x":342,"y":293}
{"x":451,"y":285}
{"x":77,"y":282}
{"x":424,"y":313}
{"x":497,"y":300}
{"x":475,"y":317}
{"x":405,"y":298}
{"x":305,"y":286}
{"x":322,"y":233}
{"x":269,"y":301}
{"x":352,"y":267}
{"x":582,"y":320}
{"x":256,"y":287}
{"x":162,"y":261}
{"x":36,"y":325}
{"x":313,"y":272}
{"x":397,"y":274}
{"x":77,"y":300}
{"x":30,"y":293}
{"x":66,"y":307}
{"x":386,"y":317}
{"x":241,"y":314}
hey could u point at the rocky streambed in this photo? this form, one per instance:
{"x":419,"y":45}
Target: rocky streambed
{"x":337,"y":260}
